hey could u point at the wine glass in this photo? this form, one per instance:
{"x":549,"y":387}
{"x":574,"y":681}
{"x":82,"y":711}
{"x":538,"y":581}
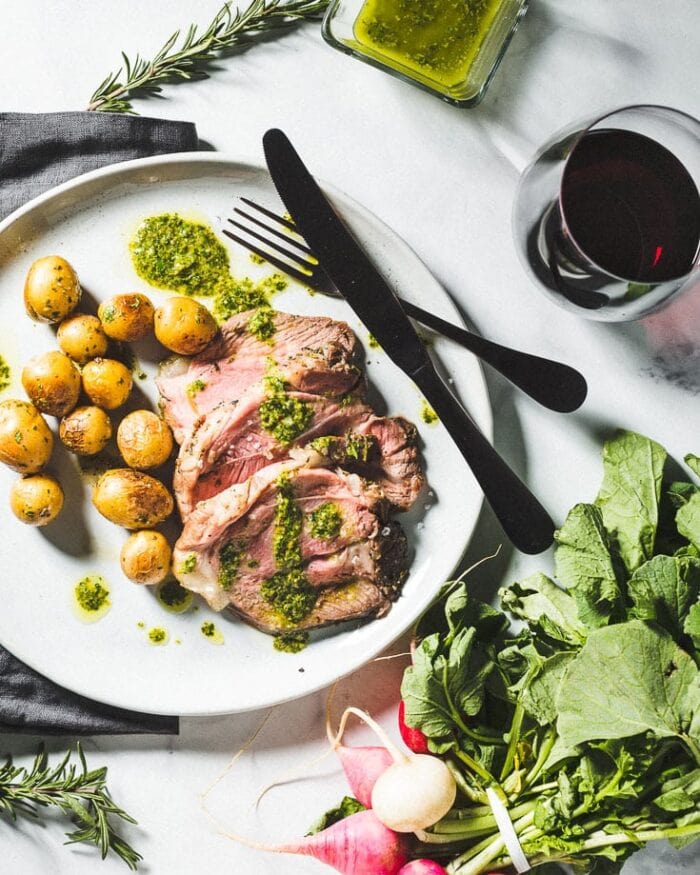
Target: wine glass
{"x":607,"y":215}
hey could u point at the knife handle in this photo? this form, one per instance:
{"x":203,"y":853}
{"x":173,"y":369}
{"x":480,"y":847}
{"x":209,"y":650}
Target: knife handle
{"x":524,"y":520}
{"x":552,"y":384}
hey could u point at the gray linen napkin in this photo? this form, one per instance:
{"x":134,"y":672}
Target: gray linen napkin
{"x":37,"y":152}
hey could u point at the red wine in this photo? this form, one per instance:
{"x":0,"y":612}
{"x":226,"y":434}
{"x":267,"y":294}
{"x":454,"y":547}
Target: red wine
{"x":630,"y":206}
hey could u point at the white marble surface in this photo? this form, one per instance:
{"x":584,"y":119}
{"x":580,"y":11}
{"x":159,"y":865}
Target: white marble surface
{"x":444,"y":179}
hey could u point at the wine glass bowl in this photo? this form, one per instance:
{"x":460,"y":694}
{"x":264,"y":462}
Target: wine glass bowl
{"x":607,"y":216}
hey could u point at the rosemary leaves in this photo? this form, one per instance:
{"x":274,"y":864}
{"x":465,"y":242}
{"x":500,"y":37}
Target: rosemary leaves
{"x":230,"y":29}
{"x":80,"y":793}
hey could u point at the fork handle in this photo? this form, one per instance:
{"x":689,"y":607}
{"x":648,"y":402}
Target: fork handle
{"x":524,"y":520}
{"x":552,"y":384}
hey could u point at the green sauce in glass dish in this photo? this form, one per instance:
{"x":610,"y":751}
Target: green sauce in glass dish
{"x":436,"y":38}
{"x":448,"y":47}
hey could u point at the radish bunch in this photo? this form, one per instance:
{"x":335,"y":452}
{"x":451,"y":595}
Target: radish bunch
{"x":403,"y":793}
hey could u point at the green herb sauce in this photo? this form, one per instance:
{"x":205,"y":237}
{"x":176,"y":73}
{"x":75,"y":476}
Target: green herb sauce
{"x":437,"y":39}
{"x":359,"y":446}
{"x":291,"y":642}
{"x":286,"y":547}
{"x":195,"y":387}
{"x":290,"y":594}
{"x":5,"y":374}
{"x":188,"y":564}
{"x":237,"y":295}
{"x":229,"y":561}
{"x":173,"y":597}
{"x":91,"y":598}
{"x":158,"y":636}
{"x":211,"y":633}
{"x":281,"y":415}
{"x":325,"y":521}
{"x":372,"y":342}
{"x":427,"y":414}
{"x":262,"y":324}
{"x":170,"y":252}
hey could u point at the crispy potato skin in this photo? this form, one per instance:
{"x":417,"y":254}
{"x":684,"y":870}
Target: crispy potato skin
{"x":36,"y":499}
{"x":126,"y":317}
{"x":52,"y":382}
{"x":144,"y":439}
{"x":51,"y":289}
{"x":132,"y":499}
{"x":145,"y":557}
{"x":86,"y":430}
{"x":184,"y":326}
{"x":26,"y":440}
{"x":81,"y":337}
{"x":107,"y":383}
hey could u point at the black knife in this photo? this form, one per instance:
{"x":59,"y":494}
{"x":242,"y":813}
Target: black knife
{"x":525,"y":521}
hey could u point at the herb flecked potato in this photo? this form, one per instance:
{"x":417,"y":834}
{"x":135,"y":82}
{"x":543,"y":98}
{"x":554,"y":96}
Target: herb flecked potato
{"x":86,"y":430}
{"x":52,"y":382}
{"x":26,"y":440}
{"x":184,"y":326}
{"x":107,"y":383}
{"x":126,"y":317}
{"x":132,"y":499}
{"x":144,"y":439}
{"x":36,"y":499}
{"x":51,"y":290}
{"x":81,"y":337}
{"x":145,"y":557}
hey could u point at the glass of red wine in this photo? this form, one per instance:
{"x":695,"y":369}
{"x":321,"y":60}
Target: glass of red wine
{"x":607,"y":216}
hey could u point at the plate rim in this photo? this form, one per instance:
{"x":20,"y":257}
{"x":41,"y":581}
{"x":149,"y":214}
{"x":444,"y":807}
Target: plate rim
{"x":227,"y":160}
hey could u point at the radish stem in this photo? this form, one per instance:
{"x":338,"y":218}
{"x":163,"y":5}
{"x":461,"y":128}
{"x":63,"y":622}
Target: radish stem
{"x":396,"y":754}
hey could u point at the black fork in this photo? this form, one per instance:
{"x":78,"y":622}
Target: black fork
{"x":554,"y":385}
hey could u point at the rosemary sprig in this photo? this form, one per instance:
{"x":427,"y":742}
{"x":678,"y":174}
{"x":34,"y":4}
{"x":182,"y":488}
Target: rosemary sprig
{"x":229,"y":30}
{"x":80,"y":794}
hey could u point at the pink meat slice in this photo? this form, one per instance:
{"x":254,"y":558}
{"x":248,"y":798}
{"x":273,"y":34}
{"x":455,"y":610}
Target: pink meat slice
{"x":236,"y":359}
{"x":357,"y":572}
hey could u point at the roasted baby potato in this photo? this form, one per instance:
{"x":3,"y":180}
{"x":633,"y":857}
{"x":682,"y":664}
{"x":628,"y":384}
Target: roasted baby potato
{"x":85,"y":431}
{"x":51,"y":290}
{"x":184,"y":326}
{"x":81,"y":337}
{"x":145,"y":557}
{"x":52,"y":382}
{"x":26,"y":441}
{"x":144,"y":439}
{"x":36,"y":499}
{"x":107,"y":383}
{"x":126,"y":317}
{"x":132,"y":499}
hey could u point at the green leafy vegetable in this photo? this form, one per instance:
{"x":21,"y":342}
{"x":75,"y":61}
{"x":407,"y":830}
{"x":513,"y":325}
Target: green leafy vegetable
{"x":348,"y":805}
{"x":629,"y":497}
{"x":587,"y":721}
{"x":585,"y":563}
{"x":628,"y":679}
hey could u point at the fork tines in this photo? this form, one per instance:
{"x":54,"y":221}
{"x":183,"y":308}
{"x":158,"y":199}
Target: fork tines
{"x":302,"y":267}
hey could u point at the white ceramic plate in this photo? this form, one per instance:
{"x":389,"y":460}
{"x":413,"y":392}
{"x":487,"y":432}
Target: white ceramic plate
{"x":89,"y":221}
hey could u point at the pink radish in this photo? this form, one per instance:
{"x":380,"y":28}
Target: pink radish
{"x":414,"y":792}
{"x":358,"y":845}
{"x":362,"y":767}
{"x":422,"y":867}
{"x":412,"y":738}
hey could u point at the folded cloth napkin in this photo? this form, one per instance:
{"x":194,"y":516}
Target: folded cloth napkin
{"x":37,"y":152}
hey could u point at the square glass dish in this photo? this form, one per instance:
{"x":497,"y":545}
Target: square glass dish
{"x":450,"y":48}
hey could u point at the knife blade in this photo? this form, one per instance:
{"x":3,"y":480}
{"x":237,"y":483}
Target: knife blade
{"x":525,"y":521}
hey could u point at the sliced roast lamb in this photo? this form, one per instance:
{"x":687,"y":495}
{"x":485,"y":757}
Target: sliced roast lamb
{"x":237,"y":358}
{"x":294,"y":547}
{"x":232,"y":442}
